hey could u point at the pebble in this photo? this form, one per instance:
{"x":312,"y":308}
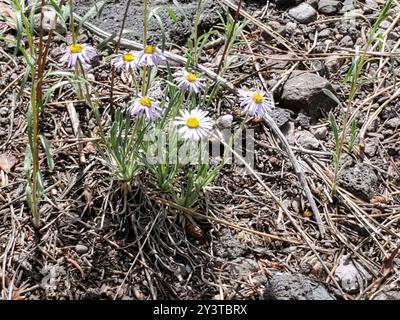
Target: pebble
{"x":348,"y":5}
{"x":4,"y":111}
{"x":50,"y":22}
{"x":321,"y":133}
{"x":393,"y":123}
{"x":371,"y":146}
{"x":81,"y":249}
{"x":329,"y":6}
{"x":303,"y":13}
{"x":346,"y":42}
{"x":370,"y":6}
{"x":225,"y":121}
{"x":291,"y":27}
{"x":306,"y":139}
{"x":325,"y":33}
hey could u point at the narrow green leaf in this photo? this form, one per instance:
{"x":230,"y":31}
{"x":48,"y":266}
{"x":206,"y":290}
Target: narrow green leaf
{"x":335,"y":130}
{"x":331,"y":95}
{"x":171,"y":14}
{"x":48,"y":152}
{"x":353,"y":135}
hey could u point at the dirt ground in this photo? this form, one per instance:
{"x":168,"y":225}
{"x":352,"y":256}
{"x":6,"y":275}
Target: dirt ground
{"x":91,"y":247}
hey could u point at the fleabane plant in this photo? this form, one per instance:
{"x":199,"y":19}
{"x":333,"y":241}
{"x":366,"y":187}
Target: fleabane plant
{"x":162,"y":134}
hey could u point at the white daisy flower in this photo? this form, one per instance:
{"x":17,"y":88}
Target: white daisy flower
{"x":195,"y":124}
{"x":254,"y":102}
{"x":126,"y":60}
{"x":150,"y":56}
{"x":76,"y":51}
{"x":144,"y":105}
{"x":189,"y":81}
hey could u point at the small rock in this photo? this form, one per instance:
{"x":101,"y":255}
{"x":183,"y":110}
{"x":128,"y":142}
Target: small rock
{"x":286,"y":286}
{"x":225,"y":121}
{"x":351,"y":277}
{"x":305,"y":139}
{"x":4,"y":111}
{"x":277,"y":27}
{"x":325,"y":33}
{"x":229,"y":247}
{"x":303,"y":120}
{"x":370,"y":6}
{"x":359,"y":178}
{"x":348,"y":5}
{"x":329,"y":6}
{"x":303,"y":13}
{"x":304,"y":91}
{"x":291,"y":27}
{"x":346,"y":42}
{"x":333,"y":63}
{"x":371,"y":146}
{"x":280,"y":116}
{"x":393,"y":123}
{"x":319,"y":67}
{"x":81,"y":249}
{"x":321,"y":133}
{"x":385,"y":24}
{"x":50,"y":22}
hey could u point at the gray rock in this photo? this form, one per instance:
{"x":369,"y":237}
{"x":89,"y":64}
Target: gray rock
{"x":393,"y":123}
{"x":370,"y":6}
{"x":321,"y":133}
{"x":306,"y":139}
{"x":385,"y":24}
{"x":351,"y":275}
{"x":303,"y":13}
{"x":359,"y":178}
{"x":346,"y":42}
{"x":228,"y":247}
{"x":225,"y":121}
{"x":286,"y":286}
{"x":303,"y":91}
{"x":291,"y":27}
{"x":333,"y":63}
{"x":280,"y":116}
{"x":177,"y":32}
{"x":81,"y":249}
{"x":371,"y":146}
{"x":277,"y":27}
{"x":329,"y":6}
{"x":325,"y":33}
{"x":348,"y":5}
{"x":50,"y":22}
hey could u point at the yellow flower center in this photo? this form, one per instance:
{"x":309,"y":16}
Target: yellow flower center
{"x":144,"y":101}
{"x":75,"y":48}
{"x":149,"y":49}
{"x":257,"y":97}
{"x":191,"y":77}
{"x":128,"y":57}
{"x":192,"y":122}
